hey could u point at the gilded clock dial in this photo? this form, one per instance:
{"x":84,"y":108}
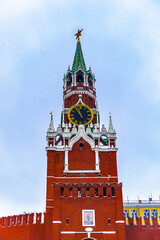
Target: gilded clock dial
{"x":80,"y":114}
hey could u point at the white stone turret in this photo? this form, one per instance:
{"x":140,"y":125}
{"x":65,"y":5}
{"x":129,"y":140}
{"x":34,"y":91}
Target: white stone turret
{"x":51,"y":125}
{"x":110,"y":129}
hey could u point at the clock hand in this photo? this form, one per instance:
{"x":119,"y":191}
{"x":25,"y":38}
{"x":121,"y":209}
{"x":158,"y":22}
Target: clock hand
{"x":78,"y":110}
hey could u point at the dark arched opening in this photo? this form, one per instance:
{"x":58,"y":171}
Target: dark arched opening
{"x":69,"y":80}
{"x":79,"y":77}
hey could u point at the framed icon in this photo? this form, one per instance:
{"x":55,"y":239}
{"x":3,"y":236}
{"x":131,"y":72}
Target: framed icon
{"x":88,"y":218}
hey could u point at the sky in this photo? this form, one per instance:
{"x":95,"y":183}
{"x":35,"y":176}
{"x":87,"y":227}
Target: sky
{"x":121,"y":43}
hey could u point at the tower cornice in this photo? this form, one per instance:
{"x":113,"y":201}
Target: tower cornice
{"x":79,"y":91}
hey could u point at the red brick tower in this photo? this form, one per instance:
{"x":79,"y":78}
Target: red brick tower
{"x":84,"y":198}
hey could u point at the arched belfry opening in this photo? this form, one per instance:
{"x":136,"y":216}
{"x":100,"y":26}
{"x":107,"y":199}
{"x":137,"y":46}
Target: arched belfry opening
{"x":90,"y":80}
{"x":69,"y":80}
{"x":80,"y":77}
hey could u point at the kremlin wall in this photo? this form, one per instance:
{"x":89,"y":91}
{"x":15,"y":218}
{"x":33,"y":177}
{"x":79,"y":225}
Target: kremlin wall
{"x":31,"y":227}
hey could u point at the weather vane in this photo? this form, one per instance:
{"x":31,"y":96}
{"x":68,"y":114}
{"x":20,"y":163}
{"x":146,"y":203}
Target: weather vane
{"x":51,"y":113}
{"x":78,"y":34}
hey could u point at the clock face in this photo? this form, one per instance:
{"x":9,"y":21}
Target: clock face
{"x":80,"y":114}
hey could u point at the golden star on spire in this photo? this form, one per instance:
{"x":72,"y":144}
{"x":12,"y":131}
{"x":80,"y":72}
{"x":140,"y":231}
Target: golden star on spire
{"x":78,"y":34}
{"x":51,"y":113}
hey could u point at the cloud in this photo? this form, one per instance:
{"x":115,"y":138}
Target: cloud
{"x":27,"y":28}
{"x":12,"y":10}
{"x":9,"y":208}
{"x":138,"y":23}
{"x":141,"y":180}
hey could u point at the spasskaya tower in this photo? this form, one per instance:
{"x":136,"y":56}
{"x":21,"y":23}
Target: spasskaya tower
{"x":84,"y":198}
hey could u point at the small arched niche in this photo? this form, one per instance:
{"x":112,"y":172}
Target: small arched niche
{"x":80,"y":77}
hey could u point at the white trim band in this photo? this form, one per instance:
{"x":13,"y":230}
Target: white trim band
{"x":82,"y":171}
{"x":104,"y":232}
{"x":56,"y":222}
{"x":108,"y":232}
{"x":78,"y":91}
{"x":79,"y":177}
{"x":120,"y":221}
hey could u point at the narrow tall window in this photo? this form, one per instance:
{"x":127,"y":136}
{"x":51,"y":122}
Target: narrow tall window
{"x":62,"y":191}
{"x":126,"y":215}
{"x":79,"y":192}
{"x":67,"y":220}
{"x":109,"y":220}
{"x":146,"y":213}
{"x":154,"y":213}
{"x":134,"y":213}
{"x":113,"y":192}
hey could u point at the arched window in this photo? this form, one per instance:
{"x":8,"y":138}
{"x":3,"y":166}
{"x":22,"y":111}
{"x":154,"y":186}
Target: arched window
{"x":67,"y":220}
{"x":81,"y":145}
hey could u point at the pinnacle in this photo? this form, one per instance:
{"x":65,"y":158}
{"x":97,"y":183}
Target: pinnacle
{"x":51,"y":126}
{"x":110,"y":129}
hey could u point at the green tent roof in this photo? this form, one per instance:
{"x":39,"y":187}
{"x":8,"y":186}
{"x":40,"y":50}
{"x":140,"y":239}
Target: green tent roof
{"x":78,"y":59}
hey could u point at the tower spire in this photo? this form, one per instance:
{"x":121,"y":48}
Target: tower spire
{"x":78,"y":58}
